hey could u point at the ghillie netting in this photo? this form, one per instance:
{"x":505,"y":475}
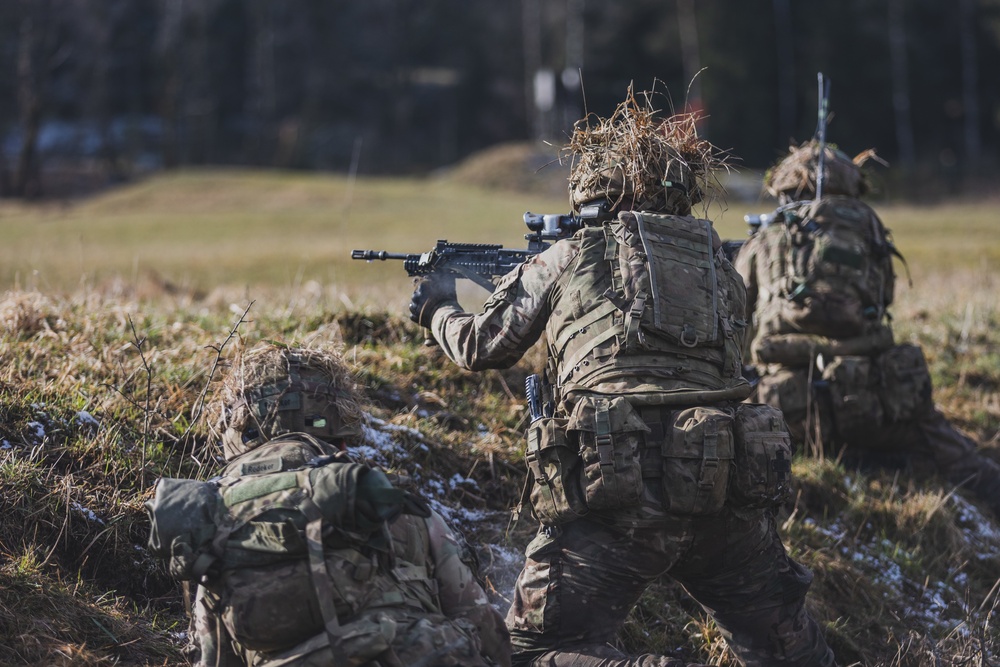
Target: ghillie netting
{"x":638,"y":158}
{"x":795,"y":174}
{"x":279,"y":370}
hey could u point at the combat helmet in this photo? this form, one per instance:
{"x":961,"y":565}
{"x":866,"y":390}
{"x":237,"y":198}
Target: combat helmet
{"x":637,"y":159}
{"x":273,"y":390}
{"x":794,"y":177}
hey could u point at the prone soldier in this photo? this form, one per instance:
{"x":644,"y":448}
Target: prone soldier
{"x":303,"y":558}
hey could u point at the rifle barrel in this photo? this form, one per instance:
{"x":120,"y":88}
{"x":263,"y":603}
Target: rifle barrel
{"x":371,"y":255}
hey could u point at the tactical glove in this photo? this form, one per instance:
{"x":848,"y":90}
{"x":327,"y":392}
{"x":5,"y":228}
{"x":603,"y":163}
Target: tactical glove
{"x":430,"y":293}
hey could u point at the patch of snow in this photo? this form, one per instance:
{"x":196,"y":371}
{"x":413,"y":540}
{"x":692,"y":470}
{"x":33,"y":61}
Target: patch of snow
{"x":39,"y":430}
{"x":87,"y":513}
{"x":458,"y":480}
{"x":84,"y":418}
{"x":5,"y":445}
{"x":982,"y":535}
{"x":461,"y":517}
{"x":435,"y":486}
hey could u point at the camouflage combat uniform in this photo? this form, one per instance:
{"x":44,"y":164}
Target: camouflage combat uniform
{"x":927,"y":434}
{"x":430,"y":607}
{"x":582,"y":577}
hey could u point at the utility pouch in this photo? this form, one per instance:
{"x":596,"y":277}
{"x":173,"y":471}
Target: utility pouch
{"x":257,"y":607}
{"x":763,"y":457}
{"x":609,"y":434}
{"x":788,"y":390}
{"x":697,"y":461}
{"x":905,"y":386}
{"x":854,"y":401}
{"x":554,"y":468}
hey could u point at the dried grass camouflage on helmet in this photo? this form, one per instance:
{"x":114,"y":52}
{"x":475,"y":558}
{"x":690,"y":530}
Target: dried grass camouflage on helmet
{"x":659,"y":164}
{"x":274,"y":371}
{"x":795,"y":174}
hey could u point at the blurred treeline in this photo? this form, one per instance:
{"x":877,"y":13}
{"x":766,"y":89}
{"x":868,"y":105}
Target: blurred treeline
{"x":406,"y":86}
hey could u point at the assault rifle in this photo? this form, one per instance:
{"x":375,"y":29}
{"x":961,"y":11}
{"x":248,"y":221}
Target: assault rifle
{"x":482,"y":263}
{"x":757,"y":222}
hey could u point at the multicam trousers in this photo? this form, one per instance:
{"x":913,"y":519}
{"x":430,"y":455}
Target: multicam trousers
{"x":580,"y":582}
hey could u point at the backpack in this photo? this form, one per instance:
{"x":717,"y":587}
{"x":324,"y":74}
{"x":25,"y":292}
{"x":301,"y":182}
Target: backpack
{"x":294,"y":545}
{"x":655,"y":305}
{"x":832,"y":268}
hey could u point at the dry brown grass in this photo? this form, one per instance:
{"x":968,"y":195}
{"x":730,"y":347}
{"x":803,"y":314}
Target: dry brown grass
{"x":660,"y":163}
{"x":905,"y":569}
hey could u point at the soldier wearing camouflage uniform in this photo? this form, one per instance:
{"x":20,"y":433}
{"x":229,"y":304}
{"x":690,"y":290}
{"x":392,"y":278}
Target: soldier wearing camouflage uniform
{"x":822,"y":341}
{"x":643,"y":318}
{"x":402,"y":596}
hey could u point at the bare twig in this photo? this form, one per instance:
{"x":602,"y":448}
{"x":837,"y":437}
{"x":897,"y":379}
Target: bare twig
{"x":199,"y":405}
{"x":137,"y":344}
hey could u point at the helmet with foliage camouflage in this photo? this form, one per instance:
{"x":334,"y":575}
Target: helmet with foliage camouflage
{"x":795,"y":176}
{"x":273,"y":390}
{"x":638,"y":160}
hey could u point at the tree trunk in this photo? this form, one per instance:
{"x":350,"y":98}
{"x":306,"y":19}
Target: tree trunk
{"x":784,"y":40}
{"x":970,"y":83}
{"x":26,"y":180}
{"x":900,"y":85}
{"x":687,"y":25}
{"x":531,"y":34}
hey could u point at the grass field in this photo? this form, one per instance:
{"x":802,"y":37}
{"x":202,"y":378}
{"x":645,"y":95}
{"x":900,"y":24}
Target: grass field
{"x":196,"y":231}
{"x":119,"y":311}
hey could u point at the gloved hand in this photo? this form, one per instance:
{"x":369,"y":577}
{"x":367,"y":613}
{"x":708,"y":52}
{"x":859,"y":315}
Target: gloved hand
{"x":429,"y":293}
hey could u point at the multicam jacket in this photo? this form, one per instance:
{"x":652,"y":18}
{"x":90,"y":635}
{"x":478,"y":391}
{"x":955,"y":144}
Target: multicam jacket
{"x":675,"y":338}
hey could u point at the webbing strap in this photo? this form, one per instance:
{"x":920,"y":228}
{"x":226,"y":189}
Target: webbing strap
{"x":611,"y":256}
{"x":605,"y":444}
{"x":633,"y":319}
{"x":326,"y":595}
{"x":710,"y":455}
{"x":580,"y":325}
{"x":411,"y":572}
{"x":570,"y":366}
{"x":602,"y":433}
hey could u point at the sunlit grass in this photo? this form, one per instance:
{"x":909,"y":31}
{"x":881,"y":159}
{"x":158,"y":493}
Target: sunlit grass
{"x":246,"y":229}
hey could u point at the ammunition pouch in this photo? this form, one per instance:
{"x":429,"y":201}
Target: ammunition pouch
{"x":851,"y":386}
{"x":698,"y":453}
{"x":554,"y":473}
{"x":791,"y":391}
{"x":906,"y":387}
{"x":603,"y":455}
{"x":763,"y":457}
{"x":856,"y":398}
{"x":609,"y":436}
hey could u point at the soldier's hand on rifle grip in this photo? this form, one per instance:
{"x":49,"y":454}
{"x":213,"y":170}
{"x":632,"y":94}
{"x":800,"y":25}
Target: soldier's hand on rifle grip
{"x":430,"y":292}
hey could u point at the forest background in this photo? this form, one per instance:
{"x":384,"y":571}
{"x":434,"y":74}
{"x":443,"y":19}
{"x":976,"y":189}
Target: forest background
{"x":99,"y":91}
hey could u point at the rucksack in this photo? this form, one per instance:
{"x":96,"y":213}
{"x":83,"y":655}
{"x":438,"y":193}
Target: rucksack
{"x":675,"y":308}
{"x":289,"y":539}
{"x":832,"y":268}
